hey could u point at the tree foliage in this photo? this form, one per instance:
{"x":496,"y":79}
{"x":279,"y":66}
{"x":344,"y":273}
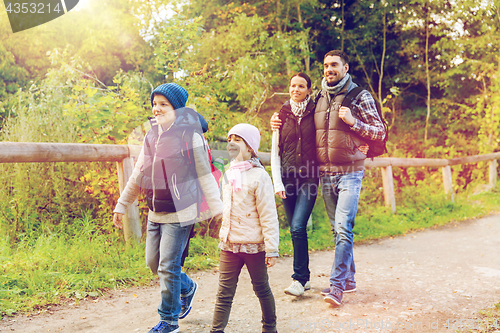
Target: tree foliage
{"x":434,"y":65}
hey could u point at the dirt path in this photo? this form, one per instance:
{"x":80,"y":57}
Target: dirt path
{"x":413,"y":283}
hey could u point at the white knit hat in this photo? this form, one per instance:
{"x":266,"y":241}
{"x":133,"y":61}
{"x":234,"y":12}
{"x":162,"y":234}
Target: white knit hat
{"x":249,"y":133}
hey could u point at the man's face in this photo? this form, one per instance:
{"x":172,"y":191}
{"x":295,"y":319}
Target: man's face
{"x":334,"y":70}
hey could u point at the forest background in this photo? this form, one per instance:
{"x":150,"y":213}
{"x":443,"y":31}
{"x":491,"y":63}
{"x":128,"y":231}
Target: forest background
{"x":86,"y":77}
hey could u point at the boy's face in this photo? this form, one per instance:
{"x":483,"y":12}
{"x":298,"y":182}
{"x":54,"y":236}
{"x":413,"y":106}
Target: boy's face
{"x":163,"y":111}
{"x":237,"y":148}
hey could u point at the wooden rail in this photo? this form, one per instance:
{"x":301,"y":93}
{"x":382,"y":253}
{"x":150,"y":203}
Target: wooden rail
{"x":386,"y":164}
{"x":22,"y":152}
{"x":35,"y":152}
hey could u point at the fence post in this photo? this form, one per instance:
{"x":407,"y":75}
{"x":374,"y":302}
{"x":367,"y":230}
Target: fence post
{"x":448,"y":183}
{"x":493,"y":173}
{"x":388,"y":183}
{"x":131,"y":220}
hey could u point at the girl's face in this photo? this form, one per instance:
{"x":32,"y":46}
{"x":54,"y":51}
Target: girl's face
{"x":238,"y":149}
{"x":163,"y":111}
{"x":298,"y":89}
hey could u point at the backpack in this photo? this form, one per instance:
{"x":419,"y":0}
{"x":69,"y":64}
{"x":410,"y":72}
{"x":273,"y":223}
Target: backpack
{"x":377,"y":148}
{"x":216,"y":167}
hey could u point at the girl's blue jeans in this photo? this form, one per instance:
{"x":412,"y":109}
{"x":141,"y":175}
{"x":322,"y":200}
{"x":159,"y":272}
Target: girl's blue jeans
{"x":300,"y":198}
{"x":341,"y":196}
{"x":165,"y":244}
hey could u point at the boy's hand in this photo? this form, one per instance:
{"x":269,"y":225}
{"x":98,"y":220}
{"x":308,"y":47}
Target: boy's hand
{"x":270,"y":261}
{"x":275,"y":121}
{"x":117,"y":220}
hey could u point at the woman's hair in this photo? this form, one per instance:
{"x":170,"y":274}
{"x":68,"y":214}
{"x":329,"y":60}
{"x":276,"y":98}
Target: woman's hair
{"x":304,"y":76}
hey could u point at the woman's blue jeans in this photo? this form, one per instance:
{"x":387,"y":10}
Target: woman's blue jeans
{"x":301,"y":195}
{"x":341,"y":196}
{"x":165,"y":244}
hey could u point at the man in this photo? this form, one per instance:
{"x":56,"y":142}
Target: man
{"x":339,"y":135}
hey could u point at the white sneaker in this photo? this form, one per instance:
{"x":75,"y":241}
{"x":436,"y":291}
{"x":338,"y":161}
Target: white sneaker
{"x":307,"y":286}
{"x":295,"y":289}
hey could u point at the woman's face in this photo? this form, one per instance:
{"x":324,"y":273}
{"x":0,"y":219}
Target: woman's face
{"x":298,"y":89}
{"x":237,"y":148}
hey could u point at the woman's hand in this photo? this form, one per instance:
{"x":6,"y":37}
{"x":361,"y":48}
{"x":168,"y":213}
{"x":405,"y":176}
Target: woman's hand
{"x":117,"y":220}
{"x":364,"y":149}
{"x":281,"y":194}
{"x":275,"y":121}
{"x":270,"y":261}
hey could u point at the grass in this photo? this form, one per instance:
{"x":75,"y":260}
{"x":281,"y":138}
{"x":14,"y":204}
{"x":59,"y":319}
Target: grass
{"x":42,"y":271}
{"x":488,"y":320}
{"x":37,"y":272}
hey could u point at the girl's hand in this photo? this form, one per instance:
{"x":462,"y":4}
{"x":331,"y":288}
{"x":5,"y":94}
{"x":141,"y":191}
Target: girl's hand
{"x":270,"y":261}
{"x":281,"y":194}
{"x":117,"y":220}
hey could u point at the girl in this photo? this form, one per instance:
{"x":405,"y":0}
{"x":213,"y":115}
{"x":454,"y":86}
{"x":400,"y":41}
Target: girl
{"x":293,"y":164}
{"x":249,"y":232}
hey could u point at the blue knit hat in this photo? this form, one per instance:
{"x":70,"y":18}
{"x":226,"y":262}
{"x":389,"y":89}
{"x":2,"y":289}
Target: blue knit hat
{"x":176,"y":95}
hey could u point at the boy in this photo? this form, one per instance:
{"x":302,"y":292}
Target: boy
{"x":165,"y":170}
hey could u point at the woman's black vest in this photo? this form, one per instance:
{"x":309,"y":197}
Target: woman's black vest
{"x":169,"y":173}
{"x":298,"y":143}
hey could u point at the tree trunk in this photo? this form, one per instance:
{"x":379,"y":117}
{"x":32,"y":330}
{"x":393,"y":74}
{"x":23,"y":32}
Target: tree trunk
{"x":384,"y":46}
{"x":305,"y":42}
{"x":427,"y":73}
{"x":278,"y":14}
{"x":342,"y":29}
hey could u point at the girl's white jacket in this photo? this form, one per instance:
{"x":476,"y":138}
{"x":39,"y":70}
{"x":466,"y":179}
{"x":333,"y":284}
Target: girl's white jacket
{"x":249,"y":215}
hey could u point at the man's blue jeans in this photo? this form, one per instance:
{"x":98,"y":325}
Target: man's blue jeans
{"x":341,"y":196}
{"x":300,"y":198}
{"x":165,"y":244}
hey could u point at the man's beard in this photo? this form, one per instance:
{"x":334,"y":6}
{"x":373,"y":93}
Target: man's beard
{"x":334,"y":83}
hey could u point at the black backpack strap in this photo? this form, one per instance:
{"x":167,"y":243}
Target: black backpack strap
{"x":350,"y":96}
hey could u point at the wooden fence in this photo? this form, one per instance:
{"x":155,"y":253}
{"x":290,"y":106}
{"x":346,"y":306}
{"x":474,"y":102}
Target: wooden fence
{"x":21,"y":152}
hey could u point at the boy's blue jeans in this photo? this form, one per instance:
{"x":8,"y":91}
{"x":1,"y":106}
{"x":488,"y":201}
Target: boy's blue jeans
{"x":300,"y":198}
{"x":165,"y":244}
{"x":341,"y":196}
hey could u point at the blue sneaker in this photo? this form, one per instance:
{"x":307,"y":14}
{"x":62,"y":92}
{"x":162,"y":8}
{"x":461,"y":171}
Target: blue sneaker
{"x":187,"y":302}
{"x":334,"y":296}
{"x":164,"y":327}
{"x":349,"y":288}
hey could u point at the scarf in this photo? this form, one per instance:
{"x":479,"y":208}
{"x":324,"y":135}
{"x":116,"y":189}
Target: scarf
{"x":298,"y":108}
{"x":336,"y":88}
{"x":235,"y":169}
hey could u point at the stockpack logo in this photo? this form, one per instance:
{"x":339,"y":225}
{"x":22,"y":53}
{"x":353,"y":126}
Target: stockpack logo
{"x":25,"y":14}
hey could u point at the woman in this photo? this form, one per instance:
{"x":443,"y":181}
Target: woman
{"x":293,"y":164}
